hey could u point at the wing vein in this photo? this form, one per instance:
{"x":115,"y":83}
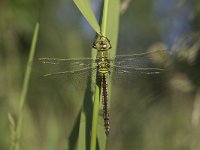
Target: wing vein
{"x":71,"y":72}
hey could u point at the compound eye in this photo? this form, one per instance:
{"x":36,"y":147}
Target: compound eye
{"x":104,"y":46}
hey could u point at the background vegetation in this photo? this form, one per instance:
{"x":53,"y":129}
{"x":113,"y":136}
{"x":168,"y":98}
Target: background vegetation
{"x":153,"y":112}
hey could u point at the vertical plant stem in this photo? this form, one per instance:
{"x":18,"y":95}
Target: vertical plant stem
{"x":109,"y":28}
{"x":105,"y":17}
{"x":25,"y":88}
{"x":95,"y":114}
{"x":97,"y":91}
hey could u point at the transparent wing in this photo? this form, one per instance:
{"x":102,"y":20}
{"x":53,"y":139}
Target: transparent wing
{"x":70,"y":73}
{"x":77,"y":62}
{"x":128,"y":76}
{"x":141,"y":60}
{"x":76,"y":76}
{"x":133,"y":71}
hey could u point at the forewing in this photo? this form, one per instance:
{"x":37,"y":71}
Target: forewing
{"x":133,"y":70}
{"x":141,"y":60}
{"x":73,"y":72}
{"x":73,"y":63}
{"x":136,"y":71}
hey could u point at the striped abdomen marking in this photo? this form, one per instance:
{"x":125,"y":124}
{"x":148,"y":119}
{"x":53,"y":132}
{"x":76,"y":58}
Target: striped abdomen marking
{"x":105,"y":105}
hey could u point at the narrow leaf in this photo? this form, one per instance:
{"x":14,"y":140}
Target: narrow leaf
{"x":109,"y":28}
{"x":25,"y":87}
{"x":85,"y":8}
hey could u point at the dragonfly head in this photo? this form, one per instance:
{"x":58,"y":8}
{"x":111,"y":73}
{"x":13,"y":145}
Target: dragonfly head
{"x":102,"y":43}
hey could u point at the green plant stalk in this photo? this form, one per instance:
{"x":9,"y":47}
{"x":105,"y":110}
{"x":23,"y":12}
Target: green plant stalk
{"x":85,"y":8}
{"x":25,"y":88}
{"x":109,"y":28}
{"x":95,"y":114}
{"x":105,"y":18}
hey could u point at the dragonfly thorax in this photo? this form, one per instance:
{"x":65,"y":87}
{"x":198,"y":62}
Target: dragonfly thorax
{"x":103,"y":66}
{"x":102,"y":44}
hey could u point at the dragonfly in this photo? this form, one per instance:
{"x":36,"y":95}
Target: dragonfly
{"x":103,"y":65}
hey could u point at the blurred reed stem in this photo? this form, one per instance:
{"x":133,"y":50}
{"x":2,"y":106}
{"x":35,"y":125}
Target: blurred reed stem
{"x":25,"y":88}
{"x":109,"y":28}
{"x":97,"y":97}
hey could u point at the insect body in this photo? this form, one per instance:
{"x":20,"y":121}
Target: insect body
{"x":103,"y":65}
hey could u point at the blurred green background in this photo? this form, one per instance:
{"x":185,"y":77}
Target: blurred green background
{"x":159,"y":112}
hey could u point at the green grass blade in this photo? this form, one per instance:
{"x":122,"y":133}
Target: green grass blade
{"x":85,"y":8}
{"x":95,"y":115}
{"x":25,"y":87}
{"x":82,"y":142}
{"x":109,"y":28}
{"x":110,"y":22}
{"x":85,"y":120}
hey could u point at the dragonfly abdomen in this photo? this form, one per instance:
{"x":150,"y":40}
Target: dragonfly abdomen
{"x":105,"y":105}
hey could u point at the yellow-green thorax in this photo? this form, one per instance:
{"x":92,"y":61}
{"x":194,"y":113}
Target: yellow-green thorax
{"x":102,"y":45}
